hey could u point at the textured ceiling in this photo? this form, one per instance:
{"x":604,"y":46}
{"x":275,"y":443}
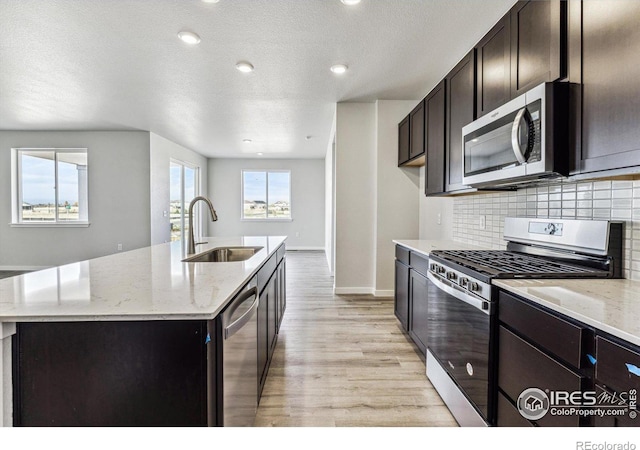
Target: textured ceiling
{"x":116,"y":64}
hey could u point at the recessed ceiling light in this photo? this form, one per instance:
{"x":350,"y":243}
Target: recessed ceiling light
{"x":211,"y":1}
{"x":247,"y":141}
{"x":339,"y":69}
{"x":259,"y":154}
{"x":350,"y":2}
{"x":244,"y":66}
{"x":189,"y":37}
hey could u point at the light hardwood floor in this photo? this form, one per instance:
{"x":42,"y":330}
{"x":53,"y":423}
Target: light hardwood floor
{"x":343,"y":360}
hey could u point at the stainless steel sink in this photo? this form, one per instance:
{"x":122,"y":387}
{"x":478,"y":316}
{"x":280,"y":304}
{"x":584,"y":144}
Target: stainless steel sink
{"x":224,"y":254}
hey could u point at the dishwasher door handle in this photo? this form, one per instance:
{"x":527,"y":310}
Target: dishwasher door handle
{"x":241,"y":321}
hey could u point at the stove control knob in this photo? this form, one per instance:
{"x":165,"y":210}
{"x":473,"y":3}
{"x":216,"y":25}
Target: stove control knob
{"x":474,"y":287}
{"x":432,"y":267}
{"x":441,"y":269}
{"x":464,"y":282}
{"x":451,"y":276}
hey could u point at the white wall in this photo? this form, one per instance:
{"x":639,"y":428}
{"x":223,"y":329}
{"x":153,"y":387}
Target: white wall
{"x":307,"y":200}
{"x":162,"y":151}
{"x":329,"y":200}
{"x":328,"y":207}
{"x":376,"y":201}
{"x":119,"y":189}
{"x":355,"y":198}
{"x":397,"y":202}
{"x":430,"y":208}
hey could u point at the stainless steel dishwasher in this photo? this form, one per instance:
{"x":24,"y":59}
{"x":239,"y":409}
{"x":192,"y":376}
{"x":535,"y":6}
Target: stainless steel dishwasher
{"x":239,"y":358}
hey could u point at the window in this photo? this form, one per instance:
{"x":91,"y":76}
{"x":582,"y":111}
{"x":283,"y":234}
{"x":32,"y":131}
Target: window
{"x":183,"y":188}
{"x":50,"y":186}
{"x":266,"y":195}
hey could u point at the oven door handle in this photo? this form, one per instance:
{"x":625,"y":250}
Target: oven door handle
{"x":479,"y":304}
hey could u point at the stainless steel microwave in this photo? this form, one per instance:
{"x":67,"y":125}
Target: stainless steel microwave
{"x":524,"y":140}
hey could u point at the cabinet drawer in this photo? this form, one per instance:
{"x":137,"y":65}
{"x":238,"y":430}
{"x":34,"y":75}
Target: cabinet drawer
{"x":419,"y":263}
{"x":508,"y":415}
{"x":522,"y":366}
{"x":616,"y":365}
{"x":402,"y":254}
{"x":265,"y":272}
{"x":560,"y":337}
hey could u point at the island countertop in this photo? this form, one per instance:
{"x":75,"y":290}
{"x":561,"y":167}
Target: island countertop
{"x":150,"y":283}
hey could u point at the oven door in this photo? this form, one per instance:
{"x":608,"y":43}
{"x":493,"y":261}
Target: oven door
{"x":459,"y":337}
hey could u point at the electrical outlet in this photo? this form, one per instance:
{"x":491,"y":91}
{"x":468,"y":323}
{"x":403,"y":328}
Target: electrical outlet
{"x":483,"y":222}
{"x":119,"y":247}
{"x":439,"y":219}
{"x":164,"y":214}
{"x":297,"y":234}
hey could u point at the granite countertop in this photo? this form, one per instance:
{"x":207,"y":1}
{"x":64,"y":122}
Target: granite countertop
{"x":151,"y":283}
{"x":612,"y":306}
{"x":425,"y":246}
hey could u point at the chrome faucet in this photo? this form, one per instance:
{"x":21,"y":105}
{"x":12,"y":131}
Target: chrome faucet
{"x":191,"y":246}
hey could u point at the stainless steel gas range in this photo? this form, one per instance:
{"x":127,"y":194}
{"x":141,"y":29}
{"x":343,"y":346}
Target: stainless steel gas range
{"x":462,"y":302}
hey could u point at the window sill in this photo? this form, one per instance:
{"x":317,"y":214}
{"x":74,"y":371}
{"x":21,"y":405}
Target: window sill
{"x":266,"y":220}
{"x":50,"y":225}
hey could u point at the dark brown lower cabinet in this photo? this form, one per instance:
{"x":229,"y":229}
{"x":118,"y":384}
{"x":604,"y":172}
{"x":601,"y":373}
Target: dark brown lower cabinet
{"x":411,"y":295}
{"x":401,"y":305}
{"x":618,"y":377}
{"x":540,"y":348}
{"x":281,"y":292}
{"x":418,"y":318}
{"x":133,"y":373}
{"x":263,"y":340}
{"x":267,"y":330}
{"x":522,"y":366}
{"x":508,"y":414}
{"x":270,"y":314}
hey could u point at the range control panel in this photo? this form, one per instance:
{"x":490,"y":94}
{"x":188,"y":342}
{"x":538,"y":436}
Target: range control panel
{"x":460,"y":280}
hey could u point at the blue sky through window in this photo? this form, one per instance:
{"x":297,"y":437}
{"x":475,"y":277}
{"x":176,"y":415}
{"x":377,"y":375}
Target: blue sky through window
{"x":38,"y":181}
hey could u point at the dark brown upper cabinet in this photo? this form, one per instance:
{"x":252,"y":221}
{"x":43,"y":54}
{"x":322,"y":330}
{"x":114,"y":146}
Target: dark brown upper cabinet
{"x":538,"y":43}
{"x":604,"y":41}
{"x":435,"y":129}
{"x":403,"y":141}
{"x":525,"y":48}
{"x":416,"y":127}
{"x":411,"y":138}
{"x":460,"y":83}
{"x":494,"y":67}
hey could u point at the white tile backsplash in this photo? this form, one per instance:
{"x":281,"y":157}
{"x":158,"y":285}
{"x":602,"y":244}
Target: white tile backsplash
{"x":614,"y":200}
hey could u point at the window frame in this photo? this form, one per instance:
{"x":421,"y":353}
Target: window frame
{"x":16,"y":189}
{"x":266,"y":219}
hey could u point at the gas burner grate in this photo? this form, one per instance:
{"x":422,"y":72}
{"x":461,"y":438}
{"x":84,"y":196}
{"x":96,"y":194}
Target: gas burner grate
{"x":507,"y":264}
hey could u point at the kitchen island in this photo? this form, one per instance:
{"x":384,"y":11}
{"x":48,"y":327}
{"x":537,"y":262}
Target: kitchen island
{"x":120,"y":314}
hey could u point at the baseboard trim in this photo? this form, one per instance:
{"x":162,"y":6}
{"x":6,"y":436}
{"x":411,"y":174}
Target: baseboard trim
{"x":353,"y":291}
{"x":384,"y":293}
{"x":23,"y":268}
{"x":305,"y":249}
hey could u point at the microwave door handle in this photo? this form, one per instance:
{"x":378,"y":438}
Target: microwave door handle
{"x":515,"y":143}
